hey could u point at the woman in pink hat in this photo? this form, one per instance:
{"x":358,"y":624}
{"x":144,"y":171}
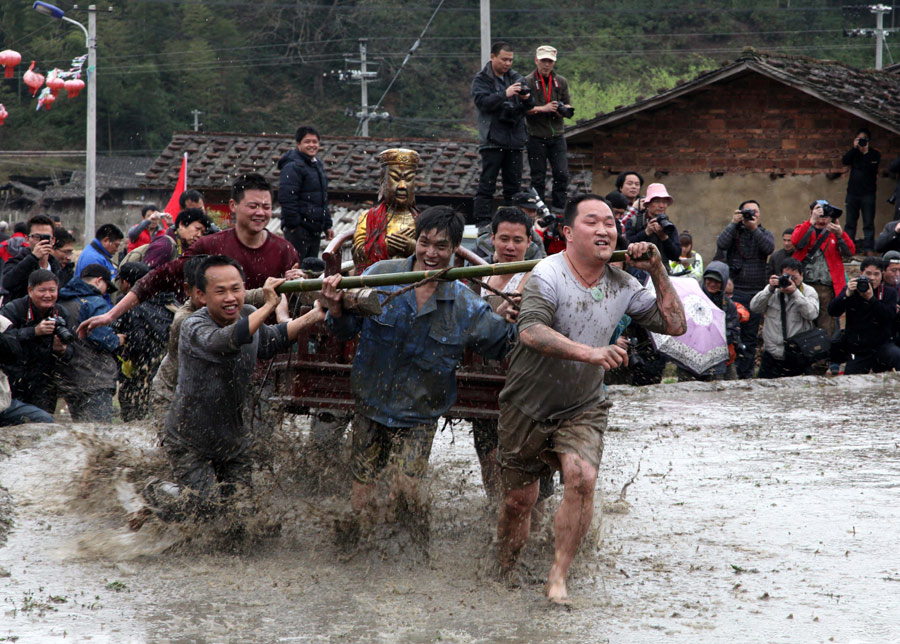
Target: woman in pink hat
{"x":653,"y":225}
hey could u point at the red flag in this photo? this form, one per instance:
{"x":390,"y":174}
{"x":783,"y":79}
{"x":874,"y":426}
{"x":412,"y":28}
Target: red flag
{"x":172,"y":207}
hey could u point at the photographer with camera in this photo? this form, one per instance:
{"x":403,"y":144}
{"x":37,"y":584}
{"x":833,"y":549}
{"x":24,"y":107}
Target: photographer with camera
{"x":41,"y":330}
{"x":653,"y":224}
{"x":36,"y":253}
{"x":545,"y":126}
{"x":89,"y":382}
{"x":745,"y":245}
{"x":821,"y":247}
{"x":502,"y":97}
{"x":789,"y":307}
{"x":889,"y":239}
{"x":871,"y":309}
{"x":863,"y":160}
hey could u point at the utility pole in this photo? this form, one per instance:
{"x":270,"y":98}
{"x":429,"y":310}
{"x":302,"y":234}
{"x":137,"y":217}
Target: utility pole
{"x":364,"y":76}
{"x":485,"y":32}
{"x":364,"y":88}
{"x":90,"y":188}
{"x":879,"y":11}
{"x":879,"y":32}
{"x":197,"y":122}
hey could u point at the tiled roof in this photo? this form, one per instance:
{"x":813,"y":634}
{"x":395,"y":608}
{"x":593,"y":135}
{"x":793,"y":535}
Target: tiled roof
{"x":446,"y":168}
{"x":113,"y":173}
{"x":871,"y":95}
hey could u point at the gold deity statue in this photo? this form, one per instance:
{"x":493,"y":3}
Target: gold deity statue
{"x":387,"y":230}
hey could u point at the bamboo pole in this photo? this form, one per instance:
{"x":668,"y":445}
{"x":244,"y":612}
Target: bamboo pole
{"x":411,"y":277}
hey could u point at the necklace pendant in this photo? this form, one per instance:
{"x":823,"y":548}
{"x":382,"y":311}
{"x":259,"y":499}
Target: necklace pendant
{"x":596,"y":293}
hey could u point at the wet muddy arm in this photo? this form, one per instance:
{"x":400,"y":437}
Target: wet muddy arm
{"x":667,"y":300}
{"x":554,"y":344}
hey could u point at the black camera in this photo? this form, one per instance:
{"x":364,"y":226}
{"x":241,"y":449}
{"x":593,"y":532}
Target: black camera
{"x":524,"y":89}
{"x":61,"y":331}
{"x":830,"y":211}
{"x":862,"y":284}
{"x":863,"y":142}
{"x":44,"y":238}
{"x":784,"y":281}
{"x":747,"y":213}
{"x":666,"y":224}
{"x":565,"y":112}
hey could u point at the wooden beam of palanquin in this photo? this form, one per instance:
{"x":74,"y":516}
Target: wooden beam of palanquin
{"x":411,"y":277}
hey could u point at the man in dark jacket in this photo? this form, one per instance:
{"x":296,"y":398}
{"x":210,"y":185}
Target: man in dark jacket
{"x":863,"y":160}
{"x":34,"y":321}
{"x":546,"y":142}
{"x":37,"y":253}
{"x":89,"y":382}
{"x":889,"y":239}
{"x":744,"y":245}
{"x":871,"y":308}
{"x":303,"y":195}
{"x":502,"y":97}
{"x":146,"y":328}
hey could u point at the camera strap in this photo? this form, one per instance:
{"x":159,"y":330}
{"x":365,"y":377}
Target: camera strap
{"x":819,"y":241}
{"x":781,"y":300}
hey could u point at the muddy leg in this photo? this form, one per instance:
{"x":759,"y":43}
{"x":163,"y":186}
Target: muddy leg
{"x":484,"y":435}
{"x":571,"y":522}
{"x":514,"y":523}
{"x":362,"y":497}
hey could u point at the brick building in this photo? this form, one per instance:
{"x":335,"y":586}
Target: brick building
{"x":767,"y":127}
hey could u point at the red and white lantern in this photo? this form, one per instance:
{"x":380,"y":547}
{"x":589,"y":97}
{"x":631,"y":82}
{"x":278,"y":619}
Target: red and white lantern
{"x":54,"y":82}
{"x":9,"y":59}
{"x":74,"y":86}
{"x":33,"y":79}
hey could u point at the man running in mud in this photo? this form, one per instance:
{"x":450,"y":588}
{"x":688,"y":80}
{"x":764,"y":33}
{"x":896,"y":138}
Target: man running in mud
{"x":404,"y":371}
{"x":205,"y":438}
{"x":553,"y":409}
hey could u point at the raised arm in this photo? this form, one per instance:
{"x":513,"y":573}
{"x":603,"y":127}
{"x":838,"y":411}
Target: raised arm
{"x":666,"y":298}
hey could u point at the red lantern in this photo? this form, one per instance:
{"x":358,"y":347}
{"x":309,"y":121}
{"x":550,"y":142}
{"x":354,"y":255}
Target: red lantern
{"x":48,"y":101}
{"x":54,"y":82}
{"x":9,"y":59}
{"x":74,"y":86}
{"x":33,"y":79}
{"x":3,"y":114}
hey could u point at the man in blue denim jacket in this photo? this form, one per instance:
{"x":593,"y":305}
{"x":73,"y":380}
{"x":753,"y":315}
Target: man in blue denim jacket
{"x":404,"y":371}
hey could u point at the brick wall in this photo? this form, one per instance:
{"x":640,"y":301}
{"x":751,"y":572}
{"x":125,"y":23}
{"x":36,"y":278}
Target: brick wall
{"x":750,"y":124}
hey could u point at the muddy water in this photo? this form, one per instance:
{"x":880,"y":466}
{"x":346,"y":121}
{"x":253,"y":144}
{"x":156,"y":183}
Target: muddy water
{"x":755,"y":513}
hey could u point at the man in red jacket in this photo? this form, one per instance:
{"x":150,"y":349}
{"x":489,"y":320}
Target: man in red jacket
{"x":820,"y":246}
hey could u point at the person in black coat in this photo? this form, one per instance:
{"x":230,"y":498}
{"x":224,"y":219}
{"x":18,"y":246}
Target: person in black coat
{"x":34,"y":324}
{"x":303,"y":195}
{"x":146,"y":328}
{"x":502,"y":98}
{"x":38,"y":253}
{"x":871,"y":308}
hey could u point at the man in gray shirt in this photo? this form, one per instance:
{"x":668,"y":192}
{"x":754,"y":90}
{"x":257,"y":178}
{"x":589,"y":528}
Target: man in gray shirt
{"x":205,"y":437}
{"x":553,"y":409}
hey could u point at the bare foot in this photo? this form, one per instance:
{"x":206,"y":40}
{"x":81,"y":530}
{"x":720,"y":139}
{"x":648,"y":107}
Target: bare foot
{"x":556,"y":591}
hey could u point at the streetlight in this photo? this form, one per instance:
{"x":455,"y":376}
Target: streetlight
{"x":90,"y":179}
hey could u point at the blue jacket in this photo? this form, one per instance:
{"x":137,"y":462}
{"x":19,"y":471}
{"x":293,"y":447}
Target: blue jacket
{"x":303,"y":193}
{"x":89,"y":303}
{"x":404,"y":371}
{"x":93,"y":366}
{"x":94,"y":254}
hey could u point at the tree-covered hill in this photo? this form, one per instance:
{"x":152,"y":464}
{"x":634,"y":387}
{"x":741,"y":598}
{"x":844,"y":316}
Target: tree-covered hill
{"x":268,"y":65}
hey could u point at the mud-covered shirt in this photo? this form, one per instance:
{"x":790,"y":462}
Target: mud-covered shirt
{"x":215,"y":364}
{"x":546,"y":388}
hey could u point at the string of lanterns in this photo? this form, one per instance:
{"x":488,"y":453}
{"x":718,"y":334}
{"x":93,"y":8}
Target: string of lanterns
{"x":56,"y":80}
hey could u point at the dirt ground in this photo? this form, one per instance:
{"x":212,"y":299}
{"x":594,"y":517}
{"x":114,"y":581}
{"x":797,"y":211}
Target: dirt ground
{"x":756,"y":512}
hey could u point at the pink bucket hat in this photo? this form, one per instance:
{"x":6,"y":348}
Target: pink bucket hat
{"x":658,"y":191}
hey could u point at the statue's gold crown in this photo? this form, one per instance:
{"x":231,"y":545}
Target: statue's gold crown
{"x":399,"y":156}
